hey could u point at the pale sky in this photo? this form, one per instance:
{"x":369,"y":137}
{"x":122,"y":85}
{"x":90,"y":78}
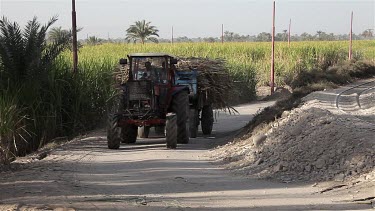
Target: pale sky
{"x":197,"y":18}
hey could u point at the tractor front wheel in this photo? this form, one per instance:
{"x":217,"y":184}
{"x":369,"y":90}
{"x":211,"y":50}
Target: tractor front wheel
{"x":113,"y":133}
{"x":171,"y":131}
{"x":180,"y":106}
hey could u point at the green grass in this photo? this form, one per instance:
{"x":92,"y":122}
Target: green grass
{"x":12,"y":125}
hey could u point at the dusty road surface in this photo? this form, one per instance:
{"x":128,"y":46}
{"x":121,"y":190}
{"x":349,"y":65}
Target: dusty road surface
{"x":85,"y":175}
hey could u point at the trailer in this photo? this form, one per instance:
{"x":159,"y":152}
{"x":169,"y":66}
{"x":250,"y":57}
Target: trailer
{"x":200,"y":104}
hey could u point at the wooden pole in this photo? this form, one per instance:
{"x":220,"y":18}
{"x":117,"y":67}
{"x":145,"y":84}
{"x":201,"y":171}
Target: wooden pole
{"x":290,"y":24}
{"x":273,"y":51}
{"x":222,"y":33}
{"x":351,"y":37}
{"x":74,"y":31}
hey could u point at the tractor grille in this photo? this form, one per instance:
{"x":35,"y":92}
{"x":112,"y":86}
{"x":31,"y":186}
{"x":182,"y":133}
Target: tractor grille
{"x":163,"y":97}
{"x":139,"y":90}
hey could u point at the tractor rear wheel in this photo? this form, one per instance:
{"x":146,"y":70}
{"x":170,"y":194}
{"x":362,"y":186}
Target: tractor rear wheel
{"x":180,"y":106}
{"x":143,"y":131}
{"x":193,"y":123}
{"x":171,"y":131}
{"x":207,"y":119}
{"x":129,"y":134}
{"x":113,"y":133}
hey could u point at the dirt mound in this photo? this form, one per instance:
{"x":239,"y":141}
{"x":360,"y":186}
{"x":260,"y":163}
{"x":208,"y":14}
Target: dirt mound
{"x":263,"y":93}
{"x":309,"y":143}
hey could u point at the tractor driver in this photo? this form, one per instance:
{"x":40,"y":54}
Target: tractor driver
{"x":148,"y":66}
{"x":158,"y":72}
{"x":146,"y":74}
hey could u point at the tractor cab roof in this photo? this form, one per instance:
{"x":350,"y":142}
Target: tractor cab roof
{"x":150,"y":55}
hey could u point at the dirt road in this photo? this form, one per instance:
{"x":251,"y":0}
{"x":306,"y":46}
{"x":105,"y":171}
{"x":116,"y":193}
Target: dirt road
{"x":85,"y":175}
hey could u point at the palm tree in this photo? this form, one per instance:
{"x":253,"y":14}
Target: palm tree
{"x":367,"y":33}
{"x":319,"y":33}
{"x":25,"y":54}
{"x":228,"y":36}
{"x":92,"y":40}
{"x":57,"y":33}
{"x":142,"y":31}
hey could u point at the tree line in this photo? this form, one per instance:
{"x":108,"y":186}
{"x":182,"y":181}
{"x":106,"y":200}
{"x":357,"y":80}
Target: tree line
{"x":281,"y":36}
{"x":143,"y":31}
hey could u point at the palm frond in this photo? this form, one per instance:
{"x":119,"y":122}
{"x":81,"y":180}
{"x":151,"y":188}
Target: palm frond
{"x":153,"y":39}
{"x":32,"y":47}
{"x":11,"y":48}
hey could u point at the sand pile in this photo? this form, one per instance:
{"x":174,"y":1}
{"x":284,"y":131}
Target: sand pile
{"x":309,"y":143}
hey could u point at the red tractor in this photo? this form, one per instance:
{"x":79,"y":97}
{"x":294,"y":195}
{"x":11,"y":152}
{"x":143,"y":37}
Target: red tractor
{"x":149,"y":98}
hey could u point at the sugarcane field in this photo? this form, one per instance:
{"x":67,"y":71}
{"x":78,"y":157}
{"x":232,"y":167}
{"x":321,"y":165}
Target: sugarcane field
{"x":187,"y":105}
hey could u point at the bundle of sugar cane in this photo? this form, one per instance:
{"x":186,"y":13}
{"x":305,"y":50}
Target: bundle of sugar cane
{"x":213,"y":79}
{"x":121,"y":74}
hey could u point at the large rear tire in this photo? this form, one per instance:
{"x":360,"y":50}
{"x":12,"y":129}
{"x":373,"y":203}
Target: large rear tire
{"x":143,"y":131}
{"x":193,"y":123}
{"x":207,"y":119}
{"x":180,"y":106}
{"x":129,"y":134}
{"x":113,"y":133}
{"x":171,"y":131}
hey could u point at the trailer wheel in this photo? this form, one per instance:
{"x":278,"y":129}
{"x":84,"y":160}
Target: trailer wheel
{"x":180,"y":106}
{"x":129,"y":134}
{"x":193,"y":123}
{"x":171,"y":131}
{"x":207,"y":119}
{"x":143,"y":131}
{"x":113,"y":133}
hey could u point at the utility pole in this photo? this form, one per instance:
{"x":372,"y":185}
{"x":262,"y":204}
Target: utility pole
{"x":222,"y":33}
{"x":172,"y":35}
{"x":273,"y":51}
{"x":290,"y":24}
{"x":351,"y":37}
{"x":74,"y":31}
